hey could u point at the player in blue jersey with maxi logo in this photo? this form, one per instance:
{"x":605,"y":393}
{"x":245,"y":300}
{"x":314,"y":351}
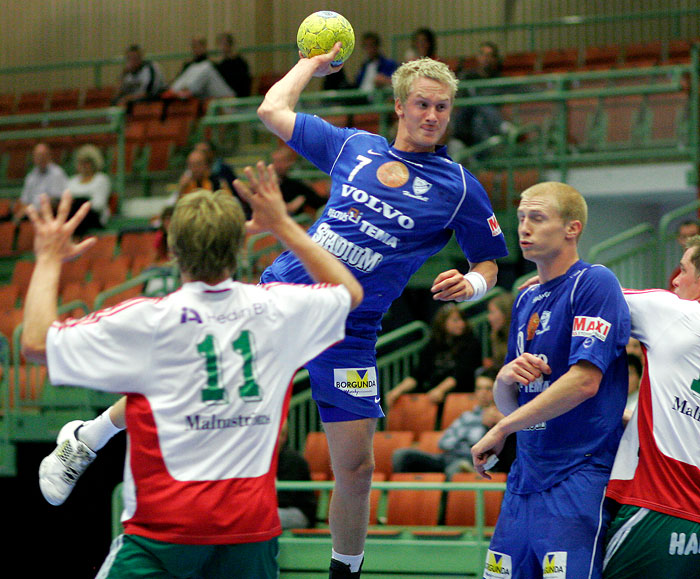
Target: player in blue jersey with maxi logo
{"x":391,"y":206}
{"x":563,"y":390}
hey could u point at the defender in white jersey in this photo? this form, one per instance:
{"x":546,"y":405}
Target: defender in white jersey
{"x":656,"y":474}
{"x":206,"y":372}
{"x":392,"y":205}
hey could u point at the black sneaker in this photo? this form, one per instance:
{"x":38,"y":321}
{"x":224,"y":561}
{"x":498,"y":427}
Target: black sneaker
{"x":340,"y":570}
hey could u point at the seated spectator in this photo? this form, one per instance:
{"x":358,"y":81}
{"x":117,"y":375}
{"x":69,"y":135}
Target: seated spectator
{"x":447,"y":363}
{"x":423,"y":44}
{"x":297,"y":509}
{"x":90,"y":184}
{"x":474,"y":124}
{"x":199,"y":77}
{"x":377,"y":69}
{"x":232,"y":67}
{"x":198,"y":175}
{"x":459,"y":437}
{"x":45,"y":177}
{"x":499,"y":309}
{"x":685,"y":230}
{"x":298,"y":196}
{"x":219,"y":168}
{"x":141,"y":80}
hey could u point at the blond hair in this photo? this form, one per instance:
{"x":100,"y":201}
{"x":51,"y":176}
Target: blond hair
{"x":91,"y":154}
{"x":569,"y":202}
{"x":206,"y":233}
{"x":404,"y":76}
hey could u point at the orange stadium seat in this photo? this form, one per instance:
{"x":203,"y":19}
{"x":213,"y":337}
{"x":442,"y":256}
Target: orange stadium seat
{"x":460,"y":509}
{"x":428,"y":441}
{"x":65,"y":100}
{"x":414,"y":412}
{"x":414,"y":507}
{"x":317,"y":454}
{"x":98,"y":97}
{"x":455,"y":404}
{"x":385,"y":443}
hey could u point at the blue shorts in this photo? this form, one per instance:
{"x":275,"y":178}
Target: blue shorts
{"x":344,"y":384}
{"x":556,"y":534}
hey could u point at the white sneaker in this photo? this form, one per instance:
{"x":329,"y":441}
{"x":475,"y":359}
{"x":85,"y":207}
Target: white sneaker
{"x":59,"y":471}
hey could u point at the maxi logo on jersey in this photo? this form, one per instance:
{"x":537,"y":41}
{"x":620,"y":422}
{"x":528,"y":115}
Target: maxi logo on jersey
{"x":356,"y":381}
{"x":590,"y":327}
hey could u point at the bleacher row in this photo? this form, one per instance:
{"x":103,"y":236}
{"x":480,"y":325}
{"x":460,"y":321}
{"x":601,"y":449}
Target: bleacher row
{"x":412,"y":422}
{"x":636,"y":55}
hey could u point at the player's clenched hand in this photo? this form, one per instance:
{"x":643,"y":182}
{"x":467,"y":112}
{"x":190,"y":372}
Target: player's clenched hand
{"x":264,"y":196}
{"x":53,"y":235}
{"x":525,"y":368}
{"x":451,"y":285}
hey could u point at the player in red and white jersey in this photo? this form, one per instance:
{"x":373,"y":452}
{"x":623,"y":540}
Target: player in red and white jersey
{"x":206,"y":371}
{"x":656,"y":474}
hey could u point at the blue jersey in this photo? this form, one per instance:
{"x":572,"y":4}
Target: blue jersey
{"x":387,"y":213}
{"x":581,"y":315}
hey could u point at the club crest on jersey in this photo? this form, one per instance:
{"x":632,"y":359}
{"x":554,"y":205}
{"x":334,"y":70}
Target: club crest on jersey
{"x":532,"y":325}
{"x":554,"y":565}
{"x":420,"y":188}
{"x":497,"y":566}
{"x":590,"y":327}
{"x":494,"y":226}
{"x":544,"y":323}
{"x":359,"y":382}
{"x":393,"y":174}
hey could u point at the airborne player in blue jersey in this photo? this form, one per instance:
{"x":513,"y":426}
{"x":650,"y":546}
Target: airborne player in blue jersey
{"x":563,"y":390}
{"x":391,"y":207}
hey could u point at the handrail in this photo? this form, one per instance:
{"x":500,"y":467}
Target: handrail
{"x":116,"y":124}
{"x":140,"y":279}
{"x":615,"y":240}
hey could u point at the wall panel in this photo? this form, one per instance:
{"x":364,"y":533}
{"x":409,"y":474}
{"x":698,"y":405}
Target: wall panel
{"x":39,"y":31}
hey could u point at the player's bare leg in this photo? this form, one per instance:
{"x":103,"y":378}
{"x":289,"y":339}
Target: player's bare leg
{"x":350,"y":445}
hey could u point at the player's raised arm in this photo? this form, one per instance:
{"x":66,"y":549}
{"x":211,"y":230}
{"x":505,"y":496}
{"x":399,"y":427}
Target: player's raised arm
{"x":270,"y":214}
{"x":277,"y":108}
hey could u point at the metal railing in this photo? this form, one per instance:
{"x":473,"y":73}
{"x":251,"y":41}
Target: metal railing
{"x":111,"y":120}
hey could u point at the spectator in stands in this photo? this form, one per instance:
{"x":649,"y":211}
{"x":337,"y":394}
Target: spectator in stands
{"x":499,"y":311}
{"x":459,"y":437}
{"x":377,"y":69}
{"x":685,"y":231}
{"x":447,"y":363}
{"x":423,"y":44}
{"x":297,"y":509}
{"x":45,"y":177}
{"x":474,"y":124}
{"x":199,"y":77}
{"x":90,"y":184}
{"x":168,"y":278}
{"x":141,"y":80}
{"x":233,"y":67}
{"x":298,"y":196}
{"x":219,"y":168}
{"x":198,"y":175}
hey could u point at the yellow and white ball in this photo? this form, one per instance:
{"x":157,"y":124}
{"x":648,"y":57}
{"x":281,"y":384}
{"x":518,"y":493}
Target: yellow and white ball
{"x":319,"y":32}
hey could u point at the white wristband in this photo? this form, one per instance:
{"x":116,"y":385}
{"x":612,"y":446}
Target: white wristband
{"x":478,"y":282}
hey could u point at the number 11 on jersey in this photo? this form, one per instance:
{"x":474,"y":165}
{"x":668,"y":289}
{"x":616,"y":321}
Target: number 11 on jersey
{"x":214,"y":392}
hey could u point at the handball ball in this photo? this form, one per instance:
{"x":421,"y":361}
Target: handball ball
{"x":319,"y":32}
